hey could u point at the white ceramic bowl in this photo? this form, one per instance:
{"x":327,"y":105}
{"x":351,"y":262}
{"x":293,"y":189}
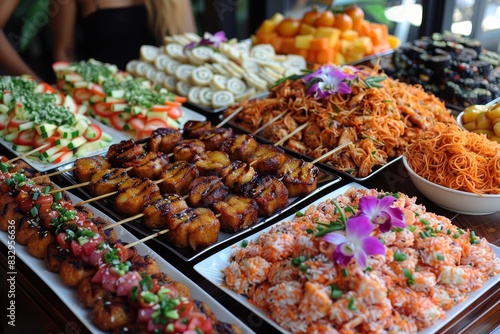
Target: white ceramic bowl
{"x":454,"y":200}
{"x":460,"y":121}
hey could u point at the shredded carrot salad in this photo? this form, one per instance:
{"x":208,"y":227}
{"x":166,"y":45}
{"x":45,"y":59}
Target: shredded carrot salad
{"x":379,"y":121}
{"x":428,"y":267}
{"x":457,"y":159}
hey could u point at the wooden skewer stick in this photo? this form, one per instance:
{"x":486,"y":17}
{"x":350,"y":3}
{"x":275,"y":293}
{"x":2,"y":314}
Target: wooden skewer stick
{"x":83,"y":184}
{"x":96,"y":198}
{"x":274,"y":119}
{"x":154,"y":235}
{"x":74,"y":186}
{"x":56,"y":172}
{"x":327,"y":154}
{"x":291,"y":134}
{"x":230,"y":117}
{"x":24,"y":155}
{"x":126,"y":220}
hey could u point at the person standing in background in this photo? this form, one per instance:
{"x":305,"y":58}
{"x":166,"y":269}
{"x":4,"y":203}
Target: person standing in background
{"x":14,"y":43}
{"x":113,"y":31}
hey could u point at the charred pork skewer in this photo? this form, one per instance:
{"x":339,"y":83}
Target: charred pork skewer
{"x":240,"y":147}
{"x":163,"y":140}
{"x":267,"y":159}
{"x":134,"y":194}
{"x":86,"y":167}
{"x":177,"y":177}
{"x":193,"y":129}
{"x":214,"y":138}
{"x":300,"y":177}
{"x":187,"y":149}
{"x":211,"y":162}
{"x":236,"y":174}
{"x":236,"y":213}
{"x":157,"y":212}
{"x":107,"y":181}
{"x":150,"y":165}
{"x":124,"y":151}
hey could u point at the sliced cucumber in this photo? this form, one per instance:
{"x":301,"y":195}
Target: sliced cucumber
{"x":70,"y":103}
{"x":96,"y":98}
{"x":48,"y":134}
{"x":76,"y":142}
{"x":90,"y":133}
{"x":51,"y":151}
{"x":72,"y":77}
{"x":112,"y":99}
{"x":45,"y":128}
{"x":22,"y":148}
{"x":62,"y":142}
{"x":67,"y":131}
{"x":80,"y":84}
{"x":82,"y":109}
{"x":3,"y":109}
{"x":119,"y":106}
{"x":157,"y":114}
{"x":11,"y":136}
{"x":135,"y":110}
{"x":117,"y":93}
{"x":106,"y":137}
{"x":26,"y":126}
{"x":91,"y":147}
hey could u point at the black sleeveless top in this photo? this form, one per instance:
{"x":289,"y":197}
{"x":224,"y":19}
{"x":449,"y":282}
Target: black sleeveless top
{"x":115,"y":35}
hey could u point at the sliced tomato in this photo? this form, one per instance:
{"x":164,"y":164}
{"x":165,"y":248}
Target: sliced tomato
{"x":44,"y":199}
{"x":175,"y":113}
{"x":52,"y":139}
{"x":61,"y":240}
{"x":137,"y":123}
{"x":22,"y":196}
{"x":25,"y":138}
{"x":97,"y":278}
{"x":122,"y":252}
{"x":93,"y":132}
{"x":76,"y":249}
{"x":82,"y":94}
{"x":181,"y":99}
{"x":109,"y":280}
{"x":126,"y":282}
{"x":60,"y":65}
{"x":102,"y":109}
{"x":60,"y":84}
{"x":117,"y":122}
{"x":97,"y":89}
{"x":14,"y":124}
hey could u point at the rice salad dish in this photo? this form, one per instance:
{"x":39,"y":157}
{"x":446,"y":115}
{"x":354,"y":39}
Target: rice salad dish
{"x":364,"y":262}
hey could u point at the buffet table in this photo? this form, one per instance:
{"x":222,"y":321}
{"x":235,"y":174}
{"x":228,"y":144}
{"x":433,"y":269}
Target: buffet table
{"x":39,"y":310}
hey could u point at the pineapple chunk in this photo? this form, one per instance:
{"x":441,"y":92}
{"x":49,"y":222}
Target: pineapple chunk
{"x":303,"y":41}
{"x":331,"y":33}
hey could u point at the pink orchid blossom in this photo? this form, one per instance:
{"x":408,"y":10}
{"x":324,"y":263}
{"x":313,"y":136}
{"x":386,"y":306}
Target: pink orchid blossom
{"x":380,"y":212}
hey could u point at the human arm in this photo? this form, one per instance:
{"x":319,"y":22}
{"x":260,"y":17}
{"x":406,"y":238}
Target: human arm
{"x":63,"y":24}
{"x":10,"y":60}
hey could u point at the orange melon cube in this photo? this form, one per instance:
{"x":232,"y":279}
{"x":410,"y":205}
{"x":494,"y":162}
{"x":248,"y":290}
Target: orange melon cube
{"x":276,"y":43}
{"x":319,"y":43}
{"x":302,"y":52}
{"x":288,"y":45}
{"x":267,"y":38}
{"x":325,"y":56}
{"x":311,"y":56}
{"x":332,"y":34}
{"x":303,"y":41}
{"x":267,"y":26}
{"x":306,"y":29}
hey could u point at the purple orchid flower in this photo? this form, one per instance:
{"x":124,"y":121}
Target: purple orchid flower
{"x":329,"y":80}
{"x":380,"y":212}
{"x":357,"y":242}
{"x":213,"y":40}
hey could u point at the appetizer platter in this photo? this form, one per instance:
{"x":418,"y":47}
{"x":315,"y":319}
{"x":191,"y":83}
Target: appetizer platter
{"x":47,"y":127}
{"x":247,"y":270}
{"x":222,"y":182}
{"x":374,"y":115}
{"x":135,"y":107}
{"x":88,"y":268}
{"x":212,"y":72}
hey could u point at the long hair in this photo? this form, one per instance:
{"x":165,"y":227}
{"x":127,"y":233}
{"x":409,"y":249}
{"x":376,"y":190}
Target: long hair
{"x":169,"y":17}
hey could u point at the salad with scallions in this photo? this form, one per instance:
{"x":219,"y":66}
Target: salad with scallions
{"x":35,"y":115}
{"x":115,"y":98}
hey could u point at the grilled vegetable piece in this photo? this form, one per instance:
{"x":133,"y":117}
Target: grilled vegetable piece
{"x":194,"y":228}
{"x":211,"y":162}
{"x":123,"y":151}
{"x":89,"y":293}
{"x":157,"y":212}
{"x":236,"y":175}
{"x":177,"y":178}
{"x":54,"y":257}
{"x":240,"y":147}
{"x":114,"y":313}
{"x":214,"y":138}
{"x":300,"y":177}
{"x":269,"y":193}
{"x":193,"y":129}
{"x":187,"y":149}
{"x":163,"y":140}
{"x":267,"y":159}
{"x":86,"y":167}
{"x":206,"y":190}
{"x":135,"y":194}
{"x":107,"y":180}
{"x":236,"y":213}
{"x":150,"y":165}
{"x":73,"y":270}
{"x":37,"y":244}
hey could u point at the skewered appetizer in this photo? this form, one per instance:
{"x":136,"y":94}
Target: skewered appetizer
{"x":36,"y":116}
{"x":117,"y":99}
{"x":374,"y":115}
{"x":233,"y":189}
{"x":212,"y":72}
{"x":121,"y":287}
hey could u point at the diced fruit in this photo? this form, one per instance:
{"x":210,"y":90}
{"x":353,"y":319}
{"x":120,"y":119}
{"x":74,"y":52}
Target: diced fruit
{"x":303,"y":41}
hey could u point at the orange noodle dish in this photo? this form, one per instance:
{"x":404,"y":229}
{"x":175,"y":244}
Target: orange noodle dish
{"x":364,"y":262}
{"x":379,"y":115}
{"x":457,"y":159}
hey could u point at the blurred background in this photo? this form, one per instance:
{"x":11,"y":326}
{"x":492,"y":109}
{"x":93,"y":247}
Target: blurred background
{"x":29,"y":28}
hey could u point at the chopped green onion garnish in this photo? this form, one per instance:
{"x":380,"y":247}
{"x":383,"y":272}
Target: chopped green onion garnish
{"x":399,"y":257}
